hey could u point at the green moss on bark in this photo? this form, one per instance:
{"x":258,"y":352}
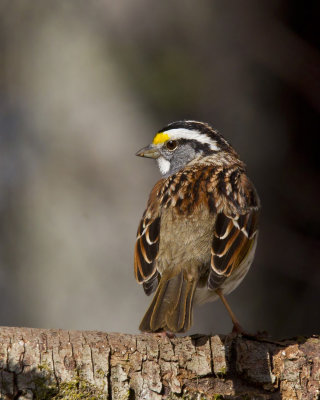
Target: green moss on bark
{"x":46,"y":388}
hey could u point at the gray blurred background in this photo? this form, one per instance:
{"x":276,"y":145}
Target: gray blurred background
{"x":85,"y":84}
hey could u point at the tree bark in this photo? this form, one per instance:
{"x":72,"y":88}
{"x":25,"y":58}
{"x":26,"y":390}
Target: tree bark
{"x":58,"y":364}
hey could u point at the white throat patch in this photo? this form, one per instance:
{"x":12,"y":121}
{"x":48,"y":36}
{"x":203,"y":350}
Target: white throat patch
{"x":164,"y":165}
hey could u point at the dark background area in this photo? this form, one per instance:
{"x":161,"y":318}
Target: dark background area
{"x":84,"y":85}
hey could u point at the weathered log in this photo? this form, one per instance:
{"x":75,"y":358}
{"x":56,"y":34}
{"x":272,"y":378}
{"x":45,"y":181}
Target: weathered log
{"x":58,"y":364}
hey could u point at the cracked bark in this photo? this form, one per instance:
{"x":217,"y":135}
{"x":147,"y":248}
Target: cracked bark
{"x":119,"y":366}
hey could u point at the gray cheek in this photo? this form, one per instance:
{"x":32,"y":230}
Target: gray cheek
{"x":181,"y":157}
{"x":168,"y":155}
{"x":185,"y":155}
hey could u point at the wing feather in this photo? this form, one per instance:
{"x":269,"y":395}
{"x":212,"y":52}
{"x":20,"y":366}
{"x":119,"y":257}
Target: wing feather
{"x":228,"y":251}
{"x":145,"y":253}
{"x":234,"y":234}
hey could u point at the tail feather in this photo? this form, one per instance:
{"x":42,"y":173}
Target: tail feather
{"x":179,"y":319}
{"x":189,"y":304}
{"x":166,"y":301}
{"x":171,"y":307}
{"x":145,"y":325}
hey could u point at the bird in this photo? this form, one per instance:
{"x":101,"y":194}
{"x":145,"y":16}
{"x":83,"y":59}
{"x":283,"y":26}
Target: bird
{"x":197,"y":237}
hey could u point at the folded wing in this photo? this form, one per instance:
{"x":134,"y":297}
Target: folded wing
{"x":232,"y":240}
{"x":146,"y":252}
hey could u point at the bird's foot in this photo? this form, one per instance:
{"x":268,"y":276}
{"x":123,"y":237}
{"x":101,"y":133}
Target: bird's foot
{"x":238,"y":330}
{"x":162,"y":334}
{"x":259,"y":336}
{"x":169,"y":335}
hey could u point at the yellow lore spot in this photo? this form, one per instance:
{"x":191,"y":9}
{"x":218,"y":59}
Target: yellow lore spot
{"x":160,"y":138}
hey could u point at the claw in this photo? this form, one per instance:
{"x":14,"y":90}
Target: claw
{"x":162,"y":334}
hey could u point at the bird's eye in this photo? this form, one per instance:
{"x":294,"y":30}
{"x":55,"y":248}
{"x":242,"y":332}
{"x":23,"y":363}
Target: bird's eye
{"x":171,"y":144}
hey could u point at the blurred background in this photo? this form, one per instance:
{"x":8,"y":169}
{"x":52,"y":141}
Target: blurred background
{"x":84,"y":85}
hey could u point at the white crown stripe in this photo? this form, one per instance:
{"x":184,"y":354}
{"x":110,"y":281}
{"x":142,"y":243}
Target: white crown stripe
{"x":182,"y":133}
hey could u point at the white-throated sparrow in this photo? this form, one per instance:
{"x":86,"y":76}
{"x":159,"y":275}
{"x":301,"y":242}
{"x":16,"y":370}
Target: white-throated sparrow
{"x":197,"y":237}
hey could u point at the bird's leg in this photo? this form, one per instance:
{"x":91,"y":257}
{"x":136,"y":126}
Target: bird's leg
{"x":236,"y":325}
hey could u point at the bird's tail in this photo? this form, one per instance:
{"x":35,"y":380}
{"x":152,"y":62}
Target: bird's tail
{"x":171,"y":306}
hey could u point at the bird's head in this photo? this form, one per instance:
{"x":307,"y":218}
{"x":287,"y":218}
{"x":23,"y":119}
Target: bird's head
{"x":183,"y":142}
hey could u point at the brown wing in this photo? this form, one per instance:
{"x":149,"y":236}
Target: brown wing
{"x":232,"y":240}
{"x":234,"y":232}
{"x":145,"y":253}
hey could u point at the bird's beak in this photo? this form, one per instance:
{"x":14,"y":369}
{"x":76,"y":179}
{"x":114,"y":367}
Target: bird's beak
{"x":149,"y":152}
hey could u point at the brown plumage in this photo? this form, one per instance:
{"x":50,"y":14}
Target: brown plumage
{"x":197,"y":237}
